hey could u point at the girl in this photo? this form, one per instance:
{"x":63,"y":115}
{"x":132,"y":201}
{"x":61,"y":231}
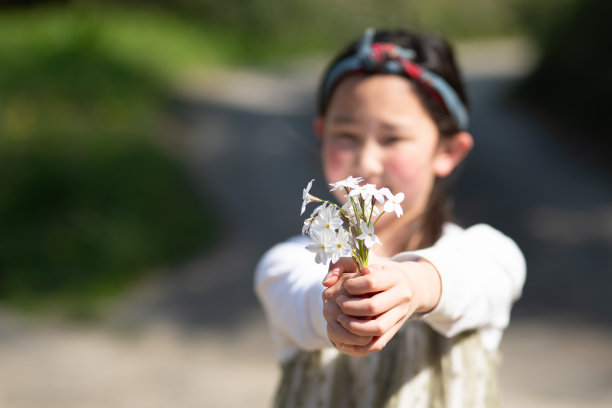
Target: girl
{"x":420,"y":326}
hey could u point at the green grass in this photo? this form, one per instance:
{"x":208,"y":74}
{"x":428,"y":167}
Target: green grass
{"x":89,"y":201}
{"x":151,"y":40}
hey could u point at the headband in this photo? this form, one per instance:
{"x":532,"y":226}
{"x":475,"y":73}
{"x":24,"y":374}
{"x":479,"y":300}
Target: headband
{"x":391,"y":58}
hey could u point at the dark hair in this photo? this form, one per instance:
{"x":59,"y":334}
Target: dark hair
{"x":435,"y":54}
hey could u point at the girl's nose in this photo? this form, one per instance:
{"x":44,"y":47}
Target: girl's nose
{"x":370,"y":163}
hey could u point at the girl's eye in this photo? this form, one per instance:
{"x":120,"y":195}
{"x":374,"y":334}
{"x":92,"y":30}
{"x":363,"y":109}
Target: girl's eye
{"x":390,"y":140}
{"x":346,"y":136}
{"x":344,"y":139}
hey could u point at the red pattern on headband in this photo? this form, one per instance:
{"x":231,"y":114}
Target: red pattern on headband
{"x":382,"y":52}
{"x":416,"y":72}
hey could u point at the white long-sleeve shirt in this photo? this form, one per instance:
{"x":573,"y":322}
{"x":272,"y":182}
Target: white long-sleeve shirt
{"x":482,"y":273}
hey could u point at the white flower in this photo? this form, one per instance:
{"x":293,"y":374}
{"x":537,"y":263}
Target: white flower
{"x":323,"y":245}
{"x":356,"y":192}
{"x":367,"y":192}
{"x":350,"y":209}
{"x":308,"y":221}
{"x":370,"y":191}
{"x":342,"y":246}
{"x":370,"y":208}
{"x":327,"y":218}
{"x":334,"y":230}
{"x":348,"y":182}
{"x":386,"y":192}
{"x":350,"y":212}
{"x":306,"y":227}
{"x":306,"y":197}
{"x":394,"y":204}
{"x":367,"y":235}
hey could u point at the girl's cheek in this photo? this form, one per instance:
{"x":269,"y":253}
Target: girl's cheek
{"x":336,"y":163}
{"x":410,"y":173}
{"x":404,"y":167}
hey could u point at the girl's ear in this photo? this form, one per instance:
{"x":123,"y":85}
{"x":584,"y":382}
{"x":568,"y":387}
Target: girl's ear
{"x":318,"y":124}
{"x":451,"y":152}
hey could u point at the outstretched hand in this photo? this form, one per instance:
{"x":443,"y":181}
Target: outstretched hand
{"x":365,"y":309}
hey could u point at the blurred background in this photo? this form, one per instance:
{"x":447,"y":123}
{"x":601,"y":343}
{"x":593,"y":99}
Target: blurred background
{"x":151,"y":151}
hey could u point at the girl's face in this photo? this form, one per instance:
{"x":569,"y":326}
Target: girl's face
{"x":377,"y":128}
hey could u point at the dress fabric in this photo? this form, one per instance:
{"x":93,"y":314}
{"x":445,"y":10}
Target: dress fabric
{"x":419,"y":368}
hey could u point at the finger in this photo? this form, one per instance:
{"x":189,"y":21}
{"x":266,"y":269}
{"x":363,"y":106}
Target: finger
{"x":373,"y":305}
{"x":377,"y":343}
{"x":374,"y":280}
{"x":372,"y":327}
{"x":331,"y":278}
{"x":335,"y":269}
{"x":331,"y":310}
{"x":365,"y":270}
{"x":339,"y":335}
{"x":351,"y":350}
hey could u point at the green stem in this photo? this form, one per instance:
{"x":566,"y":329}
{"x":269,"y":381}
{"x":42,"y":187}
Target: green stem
{"x":378,"y":218}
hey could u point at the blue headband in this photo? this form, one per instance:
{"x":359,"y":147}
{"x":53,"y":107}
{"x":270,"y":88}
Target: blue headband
{"x":393,"y":59}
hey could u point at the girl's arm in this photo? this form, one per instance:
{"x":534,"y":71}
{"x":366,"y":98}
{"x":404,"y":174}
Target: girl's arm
{"x":482,"y":273}
{"x":288,"y":285}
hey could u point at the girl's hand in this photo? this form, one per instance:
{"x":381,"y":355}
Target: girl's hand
{"x":377,"y":302}
{"x":343,"y":339}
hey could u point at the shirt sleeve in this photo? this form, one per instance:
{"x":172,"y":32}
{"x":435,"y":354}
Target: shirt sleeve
{"x":288,"y":285}
{"x":482,"y":273}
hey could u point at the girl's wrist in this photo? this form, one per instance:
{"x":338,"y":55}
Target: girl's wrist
{"x":430,"y":287}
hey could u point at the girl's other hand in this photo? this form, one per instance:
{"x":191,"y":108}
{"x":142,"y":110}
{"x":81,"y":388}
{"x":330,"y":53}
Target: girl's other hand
{"x":343,"y":339}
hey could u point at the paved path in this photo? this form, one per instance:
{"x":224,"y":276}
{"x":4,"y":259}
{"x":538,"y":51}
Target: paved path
{"x":198,"y":338}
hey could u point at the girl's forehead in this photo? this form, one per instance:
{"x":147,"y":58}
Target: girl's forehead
{"x":377,"y":83}
{"x":391,"y":91}
{"x":388,"y":100}
{"x":388,"y":122}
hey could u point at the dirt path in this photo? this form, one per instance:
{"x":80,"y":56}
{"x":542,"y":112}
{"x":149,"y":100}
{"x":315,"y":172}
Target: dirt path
{"x":545,"y":365}
{"x":197,"y":338}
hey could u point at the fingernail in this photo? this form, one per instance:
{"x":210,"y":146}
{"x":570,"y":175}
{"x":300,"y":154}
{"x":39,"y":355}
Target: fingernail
{"x":342,"y":319}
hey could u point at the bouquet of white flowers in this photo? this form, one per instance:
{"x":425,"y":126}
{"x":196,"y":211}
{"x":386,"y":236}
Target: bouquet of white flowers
{"x":348,"y":231}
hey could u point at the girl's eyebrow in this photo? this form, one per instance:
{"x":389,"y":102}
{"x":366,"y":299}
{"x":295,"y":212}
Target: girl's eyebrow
{"x":390,"y":126}
{"x":344,"y":119}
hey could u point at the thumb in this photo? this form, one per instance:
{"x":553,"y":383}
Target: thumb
{"x":336,"y":269}
{"x":366,"y":270}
